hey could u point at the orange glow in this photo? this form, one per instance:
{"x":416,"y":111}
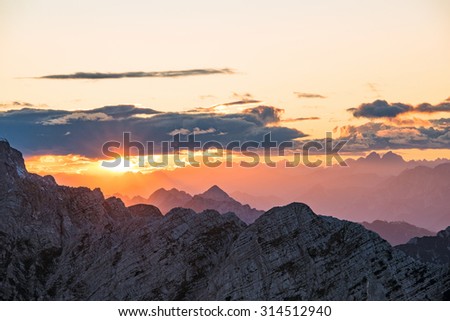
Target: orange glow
{"x":76,"y":170}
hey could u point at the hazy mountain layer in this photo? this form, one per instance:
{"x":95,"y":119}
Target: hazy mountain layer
{"x":396,"y":232}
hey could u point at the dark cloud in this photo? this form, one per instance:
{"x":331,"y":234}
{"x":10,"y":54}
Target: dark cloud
{"x":380,"y":108}
{"x":242,"y":99}
{"x":383,"y":109}
{"x":241,"y":102}
{"x":140,"y":74}
{"x":308,"y":95}
{"x":265,"y":114}
{"x":40,"y":131}
{"x":428,"y":108}
{"x":214,"y":109}
{"x":299,"y":119}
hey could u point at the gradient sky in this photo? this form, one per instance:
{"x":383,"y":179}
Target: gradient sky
{"x":310,"y":58}
{"x":349,"y":51}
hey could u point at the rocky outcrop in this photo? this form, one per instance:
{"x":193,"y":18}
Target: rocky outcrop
{"x":433,"y":249}
{"x":62,"y":243}
{"x":290,"y":253}
{"x":145,"y":210}
{"x":72,"y":244}
{"x":396,"y":232}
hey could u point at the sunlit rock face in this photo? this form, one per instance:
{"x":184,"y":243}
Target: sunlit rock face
{"x":62,"y":243}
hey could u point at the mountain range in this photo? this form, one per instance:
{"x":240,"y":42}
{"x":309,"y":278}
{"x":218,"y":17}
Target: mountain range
{"x":65,"y":243}
{"x":376,"y":187}
{"x":213,"y":198}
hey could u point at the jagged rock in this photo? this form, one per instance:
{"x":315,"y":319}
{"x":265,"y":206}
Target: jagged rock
{"x":290,"y":253}
{"x":434,"y":249}
{"x":145,"y":210}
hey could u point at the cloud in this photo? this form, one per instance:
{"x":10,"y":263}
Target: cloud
{"x":41,"y":131}
{"x":241,"y":102}
{"x":77,"y":116}
{"x":19,"y":105}
{"x":411,"y":122}
{"x":299,"y":119}
{"x":266,"y":114}
{"x":244,"y":99}
{"x":376,"y":136}
{"x":428,"y":108}
{"x":243,"y":96}
{"x":140,"y":74}
{"x":380,"y":108}
{"x":195,"y":131}
{"x":308,"y":95}
{"x":383,"y":109}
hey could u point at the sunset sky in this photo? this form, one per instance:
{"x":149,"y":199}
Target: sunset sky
{"x":374,"y":72}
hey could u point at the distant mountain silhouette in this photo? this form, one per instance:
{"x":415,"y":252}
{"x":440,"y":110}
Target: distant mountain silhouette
{"x":216,"y":198}
{"x":396,"y":232}
{"x":418,"y":196}
{"x":433,"y":249}
{"x":265,"y":202}
{"x":215,"y":193}
{"x":213,"y":198}
{"x":165,"y":200}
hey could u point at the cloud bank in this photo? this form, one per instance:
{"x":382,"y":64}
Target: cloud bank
{"x":383,"y":109}
{"x":376,"y":136}
{"x":60,"y":132}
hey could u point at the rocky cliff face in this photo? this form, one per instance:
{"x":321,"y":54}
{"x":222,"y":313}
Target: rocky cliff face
{"x":290,"y":253}
{"x":71,"y":244}
{"x":433,"y":249}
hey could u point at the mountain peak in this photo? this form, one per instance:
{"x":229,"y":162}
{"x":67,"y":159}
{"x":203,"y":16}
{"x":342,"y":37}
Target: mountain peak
{"x":12,"y":159}
{"x":215,"y":193}
{"x":392,"y":157}
{"x":373,"y":156}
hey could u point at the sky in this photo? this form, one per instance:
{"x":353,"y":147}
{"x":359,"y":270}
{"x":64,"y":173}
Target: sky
{"x":374,"y":72}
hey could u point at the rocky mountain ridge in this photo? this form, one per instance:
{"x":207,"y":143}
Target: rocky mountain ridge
{"x":433,"y":249}
{"x":63,"y":243}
